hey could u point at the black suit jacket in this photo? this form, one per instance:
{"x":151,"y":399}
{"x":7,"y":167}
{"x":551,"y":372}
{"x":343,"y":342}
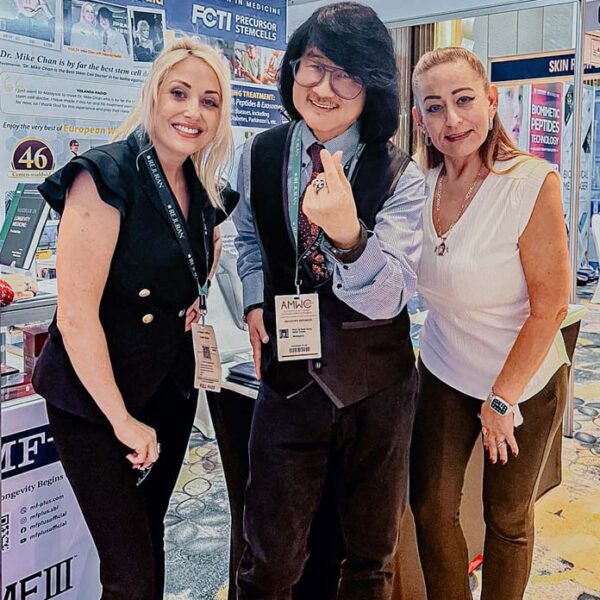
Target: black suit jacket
{"x":149,"y":285}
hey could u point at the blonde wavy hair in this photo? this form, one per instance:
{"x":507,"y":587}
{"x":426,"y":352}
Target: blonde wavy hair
{"x":497,"y":146}
{"x":213,"y":162}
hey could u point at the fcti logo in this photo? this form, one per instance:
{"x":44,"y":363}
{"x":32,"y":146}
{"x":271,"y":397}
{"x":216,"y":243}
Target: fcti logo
{"x":211,"y":17}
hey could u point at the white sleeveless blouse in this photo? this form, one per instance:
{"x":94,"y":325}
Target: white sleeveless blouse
{"x":476,"y":293}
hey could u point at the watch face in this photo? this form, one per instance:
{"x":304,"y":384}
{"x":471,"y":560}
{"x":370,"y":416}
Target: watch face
{"x":499,"y":406}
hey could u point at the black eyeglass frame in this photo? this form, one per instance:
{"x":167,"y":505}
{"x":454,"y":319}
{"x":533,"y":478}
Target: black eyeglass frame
{"x":326,"y":69}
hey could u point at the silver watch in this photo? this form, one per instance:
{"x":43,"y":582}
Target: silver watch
{"x":499,"y":405}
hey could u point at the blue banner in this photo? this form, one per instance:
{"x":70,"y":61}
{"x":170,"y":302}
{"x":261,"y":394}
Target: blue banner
{"x":262,"y":23}
{"x":538,"y":67}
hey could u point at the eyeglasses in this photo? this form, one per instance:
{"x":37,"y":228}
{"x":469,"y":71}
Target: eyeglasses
{"x":309,"y":73}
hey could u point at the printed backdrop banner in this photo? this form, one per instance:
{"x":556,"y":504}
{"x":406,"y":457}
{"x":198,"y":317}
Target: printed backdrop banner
{"x":46,"y":547}
{"x":70,"y":72}
{"x":545,"y":122}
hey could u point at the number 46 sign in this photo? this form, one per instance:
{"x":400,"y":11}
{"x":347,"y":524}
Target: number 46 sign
{"x":32,"y":155}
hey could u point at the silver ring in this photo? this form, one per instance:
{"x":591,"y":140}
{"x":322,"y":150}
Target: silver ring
{"x":319,"y":184}
{"x":502,"y":443}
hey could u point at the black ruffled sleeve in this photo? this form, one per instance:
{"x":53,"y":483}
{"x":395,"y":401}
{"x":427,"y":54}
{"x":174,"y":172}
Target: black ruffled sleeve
{"x":105,"y":172}
{"x":230,"y":200}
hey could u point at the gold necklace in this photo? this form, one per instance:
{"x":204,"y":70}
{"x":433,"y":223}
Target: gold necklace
{"x":442,"y":245}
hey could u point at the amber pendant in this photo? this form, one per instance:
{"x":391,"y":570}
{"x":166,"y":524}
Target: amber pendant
{"x":441,"y":248}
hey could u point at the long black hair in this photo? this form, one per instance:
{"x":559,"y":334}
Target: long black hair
{"x":353,"y":37}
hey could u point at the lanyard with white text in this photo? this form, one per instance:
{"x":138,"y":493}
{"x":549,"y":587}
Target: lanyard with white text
{"x":179,"y":227}
{"x":294,"y":196}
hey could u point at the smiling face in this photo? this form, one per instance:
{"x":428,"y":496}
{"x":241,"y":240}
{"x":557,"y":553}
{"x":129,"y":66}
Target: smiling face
{"x":322,"y":109}
{"x":187,"y":112}
{"x":454,"y":108}
{"x":87,"y":14}
{"x":104,"y":23}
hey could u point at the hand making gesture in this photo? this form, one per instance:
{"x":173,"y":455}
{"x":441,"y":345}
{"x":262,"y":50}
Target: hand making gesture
{"x":329,"y":203}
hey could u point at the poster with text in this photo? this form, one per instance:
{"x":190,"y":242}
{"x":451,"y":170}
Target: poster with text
{"x":545,"y":122}
{"x":586,"y":165}
{"x":71,"y":70}
{"x":46,"y":547}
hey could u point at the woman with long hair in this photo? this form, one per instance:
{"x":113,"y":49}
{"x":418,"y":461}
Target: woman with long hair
{"x":134,"y":254}
{"x":494,"y":272}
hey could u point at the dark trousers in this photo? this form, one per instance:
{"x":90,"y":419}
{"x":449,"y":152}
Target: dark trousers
{"x":295,"y":446}
{"x":126,"y":521}
{"x":446,"y":429}
{"x":231,"y":415}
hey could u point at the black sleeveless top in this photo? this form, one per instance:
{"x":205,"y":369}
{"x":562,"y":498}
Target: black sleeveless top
{"x":149,"y":285}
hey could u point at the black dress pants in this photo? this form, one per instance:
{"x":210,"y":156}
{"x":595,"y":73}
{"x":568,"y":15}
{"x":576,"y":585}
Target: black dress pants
{"x":126,"y":521}
{"x":293,"y":445}
{"x":231,"y":414}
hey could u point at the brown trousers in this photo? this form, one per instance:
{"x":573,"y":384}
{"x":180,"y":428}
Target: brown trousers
{"x":445,"y":431}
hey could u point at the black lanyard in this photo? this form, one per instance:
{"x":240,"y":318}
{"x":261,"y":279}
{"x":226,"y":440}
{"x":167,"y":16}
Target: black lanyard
{"x":179,"y":227}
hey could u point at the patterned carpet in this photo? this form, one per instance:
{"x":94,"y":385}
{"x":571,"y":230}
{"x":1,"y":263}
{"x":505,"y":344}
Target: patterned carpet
{"x":567,"y":553}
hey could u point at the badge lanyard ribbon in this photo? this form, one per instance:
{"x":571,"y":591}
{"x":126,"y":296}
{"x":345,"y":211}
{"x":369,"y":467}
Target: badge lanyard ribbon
{"x":177,"y":223}
{"x":294,"y":196}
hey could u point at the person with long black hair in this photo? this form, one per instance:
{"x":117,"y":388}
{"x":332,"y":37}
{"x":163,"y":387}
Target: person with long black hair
{"x":329,"y":214}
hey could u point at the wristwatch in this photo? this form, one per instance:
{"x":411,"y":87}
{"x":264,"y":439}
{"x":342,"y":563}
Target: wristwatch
{"x":502,"y":407}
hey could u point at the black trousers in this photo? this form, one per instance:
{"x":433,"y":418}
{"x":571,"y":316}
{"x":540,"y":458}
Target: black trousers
{"x":446,"y":429}
{"x":231,"y":414}
{"x":295,"y":446}
{"x":126,"y":521}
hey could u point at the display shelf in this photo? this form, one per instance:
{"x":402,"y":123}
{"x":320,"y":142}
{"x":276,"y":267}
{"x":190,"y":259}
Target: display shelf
{"x":40,"y":308}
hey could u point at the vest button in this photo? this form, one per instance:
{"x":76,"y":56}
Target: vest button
{"x":181,"y":312}
{"x":345,"y":267}
{"x":146,"y":319}
{"x":144,"y":293}
{"x":339,"y":286}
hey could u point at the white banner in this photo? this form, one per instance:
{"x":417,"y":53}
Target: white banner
{"x":47,"y":550}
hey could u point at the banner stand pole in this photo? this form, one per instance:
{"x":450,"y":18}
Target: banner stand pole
{"x":574,"y":203}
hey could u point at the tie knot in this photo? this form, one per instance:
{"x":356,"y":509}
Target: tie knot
{"x":314,"y":151}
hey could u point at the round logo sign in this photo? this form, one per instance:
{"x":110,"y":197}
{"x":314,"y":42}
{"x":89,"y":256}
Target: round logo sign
{"x":32,"y":155}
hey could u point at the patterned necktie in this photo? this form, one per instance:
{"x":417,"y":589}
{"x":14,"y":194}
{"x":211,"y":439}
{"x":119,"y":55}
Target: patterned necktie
{"x":307,"y":231}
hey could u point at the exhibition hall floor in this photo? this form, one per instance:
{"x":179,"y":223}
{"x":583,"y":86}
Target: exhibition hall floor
{"x":567,"y":549}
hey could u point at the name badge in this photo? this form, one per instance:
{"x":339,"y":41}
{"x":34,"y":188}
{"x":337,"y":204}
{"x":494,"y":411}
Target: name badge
{"x":298,"y":327}
{"x":208,"y":362}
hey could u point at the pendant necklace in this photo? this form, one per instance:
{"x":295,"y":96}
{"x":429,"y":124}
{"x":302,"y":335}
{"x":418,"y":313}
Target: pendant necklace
{"x":442,"y":245}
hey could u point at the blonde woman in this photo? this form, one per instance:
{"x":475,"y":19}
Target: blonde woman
{"x":84,"y":33}
{"x":117,"y":371}
{"x":494,"y":272}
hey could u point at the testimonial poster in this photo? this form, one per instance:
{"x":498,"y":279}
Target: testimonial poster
{"x":545,"y":122}
{"x":46,"y":548}
{"x":71,"y":70}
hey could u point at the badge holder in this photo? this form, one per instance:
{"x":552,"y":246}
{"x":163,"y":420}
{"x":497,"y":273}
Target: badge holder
{"x":297,"y":322}
{"x":206,"y":351}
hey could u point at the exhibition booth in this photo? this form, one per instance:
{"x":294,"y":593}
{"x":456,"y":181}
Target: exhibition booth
{"x":65,"y":90}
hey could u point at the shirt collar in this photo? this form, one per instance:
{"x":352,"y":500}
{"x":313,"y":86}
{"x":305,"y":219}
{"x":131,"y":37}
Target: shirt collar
{"x":347,"y":142}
